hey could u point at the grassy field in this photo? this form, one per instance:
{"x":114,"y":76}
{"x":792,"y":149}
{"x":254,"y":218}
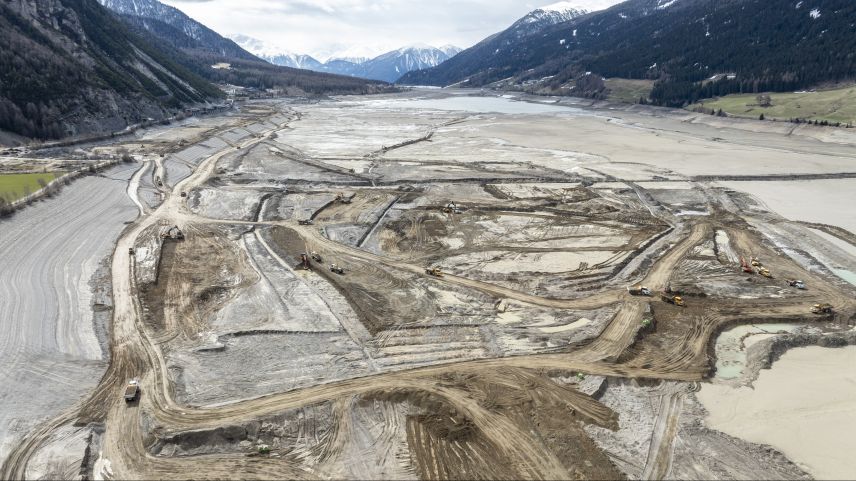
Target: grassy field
{"x":15,"y":186}
{"x":834,"y":105}
{"x":626,"y":90}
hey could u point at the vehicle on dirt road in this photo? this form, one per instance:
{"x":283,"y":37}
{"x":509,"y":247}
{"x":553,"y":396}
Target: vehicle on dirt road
{"x":821,"y":309}
{"x":434,"y":271}
{"x":796,"y":283}
{"x":337,"y":269}
{"x":132,"y":390}
{"x":639,"y":291}
{"x":316,"y":257}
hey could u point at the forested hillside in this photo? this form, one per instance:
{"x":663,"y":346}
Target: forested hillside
{"x":69,"y":66}
{"x":692,"y":48}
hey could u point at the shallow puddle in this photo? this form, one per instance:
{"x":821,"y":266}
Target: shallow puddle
{"x":731,"y":346}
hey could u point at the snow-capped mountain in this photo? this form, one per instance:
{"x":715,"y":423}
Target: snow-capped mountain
{"x":541,"y":18}
{"x":392,"y":65}
{"x":165,"y":21}
{"x":276,"y":56}
{"x":388,"y":67}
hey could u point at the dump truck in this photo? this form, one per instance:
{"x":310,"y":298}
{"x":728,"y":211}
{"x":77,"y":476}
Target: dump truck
{"x":639,"y":291}
{"x":756,"y":262}
{"x":130,"y":251}
{"x":765,"y":272}
{"x":672,"y":299}
{"x":434,"y":271}
{"x":305,"y":222}
{"x":315,"y":257}
{"x":132,"y":390}
{"x":796,"y":283}
{"x":337,"y":269}
{"x":821,"y":309}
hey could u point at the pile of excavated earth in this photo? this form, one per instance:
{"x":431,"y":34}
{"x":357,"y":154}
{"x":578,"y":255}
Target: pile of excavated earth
{"x":390,"y":287}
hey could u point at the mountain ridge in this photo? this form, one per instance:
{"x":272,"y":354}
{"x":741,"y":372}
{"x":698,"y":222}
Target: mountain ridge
{"x":388,"y":66}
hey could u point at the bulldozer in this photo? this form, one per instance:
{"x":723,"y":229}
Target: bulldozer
{"x":434,"y":271}
{"x":672,"y":299}
{"x":639,"y":291}
{"x":821,"y":309}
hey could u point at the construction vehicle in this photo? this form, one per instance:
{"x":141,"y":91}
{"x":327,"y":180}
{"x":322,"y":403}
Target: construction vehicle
{"x":171,"y":232}
{"x":340,"y":197}
{"x":451,"y":208}
{"x":765,"y":272}
{"x":434,"y":271}
{"x":821,"y":309}
{"x":304,"y":262}
{"x":132,"y":390}
{"x":315,"y":257}
{"x":745,"y":266}
{"x":337,"y":269}
{"x":672,"y":299}
{"x":646,"y":323}
{"x":796,"y":283}
{"x":305,"y":222}
{"x":756,"y":262}
{"x":639,"y":291}
{"x":130,"y":251}
{"x":184,"y":194}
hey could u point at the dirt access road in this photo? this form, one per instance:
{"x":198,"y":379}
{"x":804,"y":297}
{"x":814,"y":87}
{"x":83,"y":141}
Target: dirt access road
{"x":135,"y":352}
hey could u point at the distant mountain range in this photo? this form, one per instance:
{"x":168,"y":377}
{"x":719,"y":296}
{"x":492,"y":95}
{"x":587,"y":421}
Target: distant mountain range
{"x":70,"y":67}
{"x":388,"y":67}
{"x":692,"y":49}
{"x":208,"y":48}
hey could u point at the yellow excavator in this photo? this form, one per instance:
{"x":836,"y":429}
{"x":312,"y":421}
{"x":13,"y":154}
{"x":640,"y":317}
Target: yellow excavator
{"x":672,"y":299}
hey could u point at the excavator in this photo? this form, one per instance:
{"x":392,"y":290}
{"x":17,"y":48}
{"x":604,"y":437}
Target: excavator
{"x":672,"y":299}
{"x":821,"y":309}
{"x":745,"y":266}
{"x":434,"y":271}
{"x":304,"y":262}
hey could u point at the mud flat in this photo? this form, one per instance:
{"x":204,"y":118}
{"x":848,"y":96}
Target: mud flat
{"x":805,"y":405}
{"x":827,"y":201}
{"x":49,"y":342}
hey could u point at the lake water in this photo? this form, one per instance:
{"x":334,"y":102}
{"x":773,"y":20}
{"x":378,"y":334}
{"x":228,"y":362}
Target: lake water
{"x":464,"y":103}
{"x":805,"y":406}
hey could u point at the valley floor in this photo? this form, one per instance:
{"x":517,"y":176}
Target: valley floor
{"x":296,"y":328}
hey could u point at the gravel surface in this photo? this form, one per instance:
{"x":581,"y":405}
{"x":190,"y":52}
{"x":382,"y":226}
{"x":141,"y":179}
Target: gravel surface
{"x":48,"y":254}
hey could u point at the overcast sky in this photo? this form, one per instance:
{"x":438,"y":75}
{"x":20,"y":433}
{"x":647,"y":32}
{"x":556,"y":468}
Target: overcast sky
{"x":362,"y":27}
